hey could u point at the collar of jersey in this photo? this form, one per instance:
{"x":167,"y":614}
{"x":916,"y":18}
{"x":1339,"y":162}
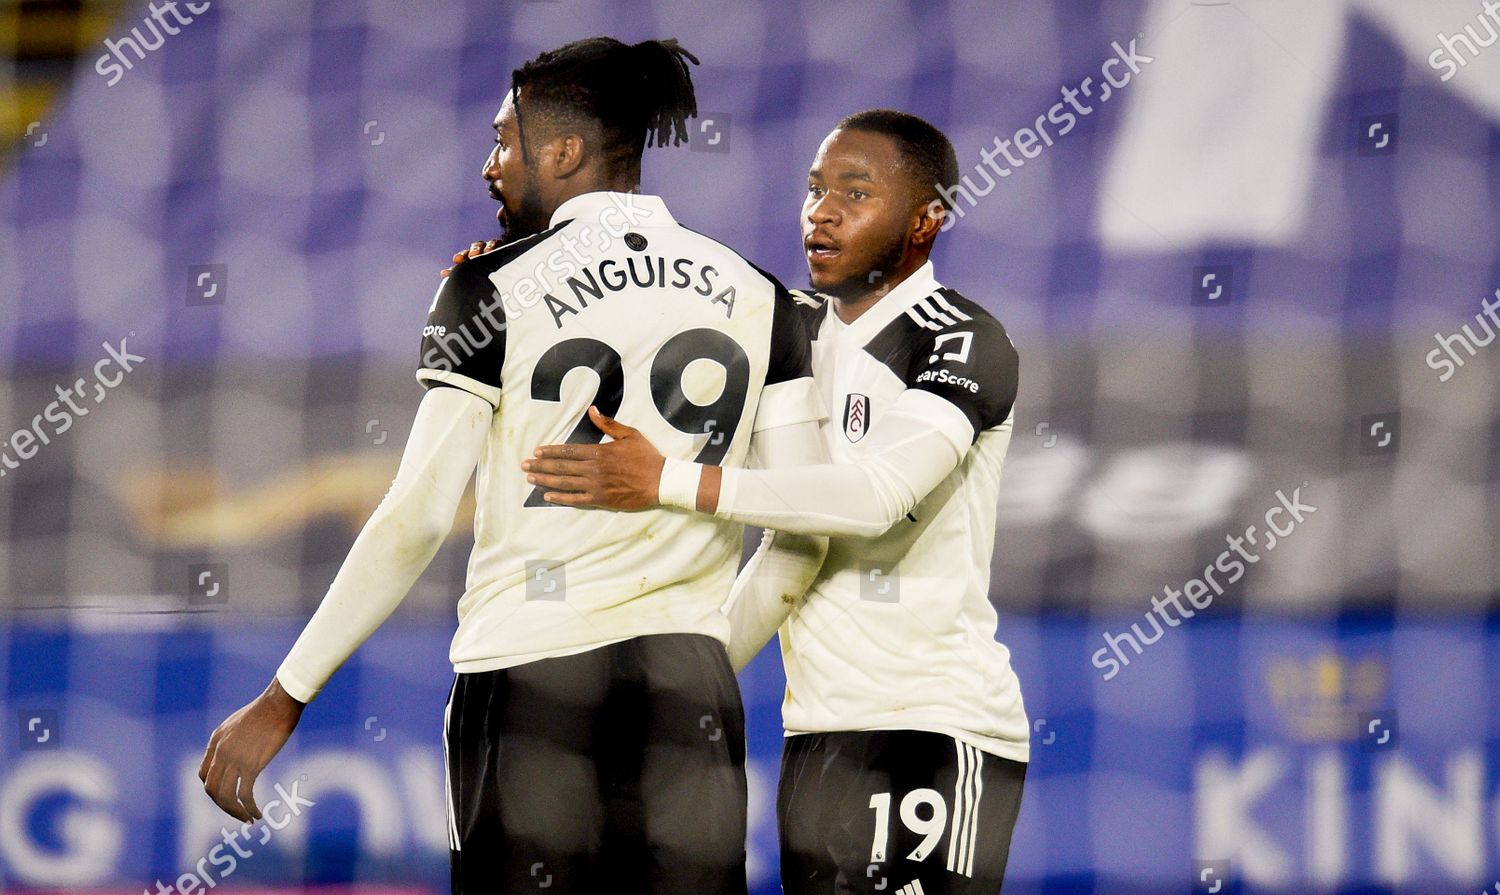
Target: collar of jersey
{"x":911,"y":290}
{"x":613,"y":210}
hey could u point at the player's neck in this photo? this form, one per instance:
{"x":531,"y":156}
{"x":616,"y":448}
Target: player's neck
{"x":850,"y":308}
{"x":621,"y":182}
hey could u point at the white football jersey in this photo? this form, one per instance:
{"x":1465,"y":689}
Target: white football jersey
{"x":619,"y":306}
{"x":897,"y":632}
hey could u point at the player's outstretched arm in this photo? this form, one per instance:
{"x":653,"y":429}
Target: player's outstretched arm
{"x":921,"y":440}
{"x":392,"y":550}
{"x":952,"y":395}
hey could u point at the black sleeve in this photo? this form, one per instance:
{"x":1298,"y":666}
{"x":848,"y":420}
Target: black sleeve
{"x":465,"y":333}
{"x":791,"y":339}
{"x":973,"y":366}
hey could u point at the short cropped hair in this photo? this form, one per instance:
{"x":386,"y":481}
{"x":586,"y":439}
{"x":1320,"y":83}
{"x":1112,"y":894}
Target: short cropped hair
{"x":926,"y":151}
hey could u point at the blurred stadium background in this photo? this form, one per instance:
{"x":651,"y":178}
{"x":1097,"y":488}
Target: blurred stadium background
{"x":1226,"y":280}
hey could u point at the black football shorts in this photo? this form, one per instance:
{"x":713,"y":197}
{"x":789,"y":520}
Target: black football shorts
{"x":898,"y":812}
{"x":620,"y":769}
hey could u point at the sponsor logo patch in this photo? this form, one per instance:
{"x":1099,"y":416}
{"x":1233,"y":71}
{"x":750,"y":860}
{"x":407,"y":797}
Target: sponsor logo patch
{"x":943,"y":377}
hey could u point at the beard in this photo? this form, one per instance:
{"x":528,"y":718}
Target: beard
{"x":883,"y":261}
{"x":527,"y":219}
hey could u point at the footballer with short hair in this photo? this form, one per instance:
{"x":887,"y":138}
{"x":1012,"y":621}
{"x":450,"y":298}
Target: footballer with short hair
{"x":907,"y":740}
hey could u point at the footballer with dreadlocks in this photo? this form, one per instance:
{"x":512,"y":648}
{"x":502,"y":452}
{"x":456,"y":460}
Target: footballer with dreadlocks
{"x":594,"y":737}
{"x":907,"y":740}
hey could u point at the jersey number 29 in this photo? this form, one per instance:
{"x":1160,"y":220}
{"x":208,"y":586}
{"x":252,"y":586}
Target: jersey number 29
{"x":719,"y":419}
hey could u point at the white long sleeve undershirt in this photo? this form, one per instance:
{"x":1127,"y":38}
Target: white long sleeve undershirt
{"x":399,"y":540}
{"x":785,"y":564}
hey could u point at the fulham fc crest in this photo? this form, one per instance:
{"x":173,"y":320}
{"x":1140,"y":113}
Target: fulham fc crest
{"x":856,"y":416}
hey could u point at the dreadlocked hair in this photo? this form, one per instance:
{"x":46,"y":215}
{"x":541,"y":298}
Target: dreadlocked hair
{"x":630,"y":95}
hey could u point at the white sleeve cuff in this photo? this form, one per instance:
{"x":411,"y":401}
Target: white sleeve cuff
{"x":294,"y":685}
{"x":679,"y":484}
{"x":473,"y":386}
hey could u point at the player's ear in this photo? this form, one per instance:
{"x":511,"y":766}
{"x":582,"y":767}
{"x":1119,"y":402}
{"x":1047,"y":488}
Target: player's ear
{"x":929,"y":220}
{"x":567,"y":155}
